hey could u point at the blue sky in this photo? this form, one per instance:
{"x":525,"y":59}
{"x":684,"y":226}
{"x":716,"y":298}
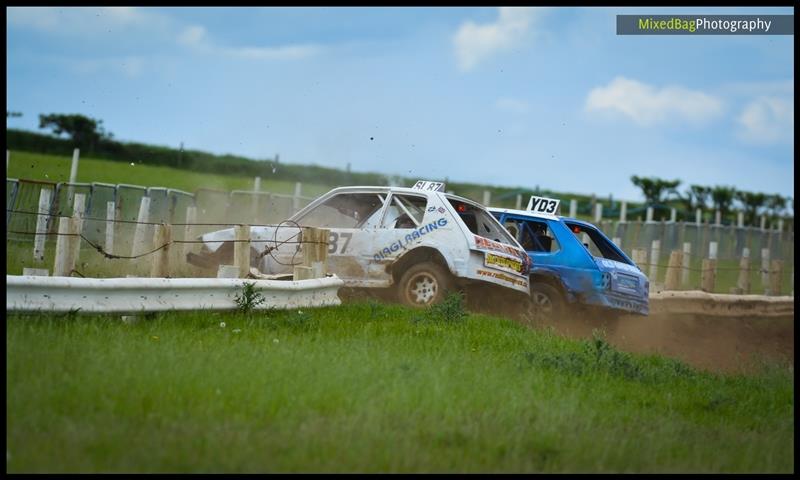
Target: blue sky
{"x":515,"y":97}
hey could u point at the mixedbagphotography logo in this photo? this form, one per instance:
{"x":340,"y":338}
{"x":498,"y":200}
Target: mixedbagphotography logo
{"x":705,"y":24}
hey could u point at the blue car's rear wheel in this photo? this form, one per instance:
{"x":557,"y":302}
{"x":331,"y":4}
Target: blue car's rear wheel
{"x":545,"y":304}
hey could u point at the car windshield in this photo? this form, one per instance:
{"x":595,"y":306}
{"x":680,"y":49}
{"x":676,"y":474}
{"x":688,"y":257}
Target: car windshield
{"x":345,"y":210}
{"x":597,"y":243}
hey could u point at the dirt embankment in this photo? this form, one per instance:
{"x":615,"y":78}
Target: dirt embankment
{"x":721,"y":344}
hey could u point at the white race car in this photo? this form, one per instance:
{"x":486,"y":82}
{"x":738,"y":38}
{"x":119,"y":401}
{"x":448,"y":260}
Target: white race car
{"x":416,"y":242}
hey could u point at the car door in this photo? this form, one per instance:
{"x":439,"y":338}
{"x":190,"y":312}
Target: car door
{"x":352,"y":218}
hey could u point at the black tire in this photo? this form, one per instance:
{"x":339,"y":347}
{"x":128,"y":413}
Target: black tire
{"x":545,"y":304}
{"x":424,"y":284}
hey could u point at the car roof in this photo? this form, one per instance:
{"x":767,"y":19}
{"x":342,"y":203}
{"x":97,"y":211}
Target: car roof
{"x":384,"y":188}
{"x":528,"y":213}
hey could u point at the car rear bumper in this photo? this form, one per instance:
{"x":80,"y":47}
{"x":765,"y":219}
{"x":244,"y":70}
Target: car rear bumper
{"x":612,"y":301}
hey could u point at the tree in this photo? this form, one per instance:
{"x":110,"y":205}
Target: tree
{"x":696,"y":197}
{"x":723,"y":198}
{"x":656,"y":190}
{"x":13,"y":114}
{"x":776,"y":204}
{"x":85,"y":132}
{"x":751,"y":202}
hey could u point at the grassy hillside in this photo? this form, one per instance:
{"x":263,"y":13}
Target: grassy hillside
{"x":36,"y":166}
{"x":368,"y":388}
{"x":39,"y":166}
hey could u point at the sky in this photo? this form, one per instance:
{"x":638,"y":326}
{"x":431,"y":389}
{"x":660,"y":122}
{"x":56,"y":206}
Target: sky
{"x":518,"y":97}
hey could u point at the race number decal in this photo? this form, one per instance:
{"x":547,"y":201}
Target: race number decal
{"x":429,"y":186}
{"x":547,"y":206}
{"x":333,"y":241}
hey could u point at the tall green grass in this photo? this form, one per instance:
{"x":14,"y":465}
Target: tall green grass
{"x":370,"y":388}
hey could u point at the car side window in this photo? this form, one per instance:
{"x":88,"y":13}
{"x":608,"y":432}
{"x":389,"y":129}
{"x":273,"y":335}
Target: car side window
{"x":533,"y":235}
{"x":597,"y":244}
{"x":345,"y":210}
{"x":405,"y":211}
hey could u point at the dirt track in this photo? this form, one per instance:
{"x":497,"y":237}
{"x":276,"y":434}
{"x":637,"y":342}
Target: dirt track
{"x":721,"y":344}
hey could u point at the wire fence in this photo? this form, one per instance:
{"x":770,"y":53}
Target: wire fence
{"x":117,"y":217}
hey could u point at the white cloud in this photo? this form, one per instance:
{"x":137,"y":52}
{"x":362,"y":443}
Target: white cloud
{"x":197,"y":38}
{"x":474,"y":43}
{"x":512,"y":105}
{"x":647,"y":105}
{"x":192,"y":36}
{"x":768,"y":120}
{"x":83,"y":21}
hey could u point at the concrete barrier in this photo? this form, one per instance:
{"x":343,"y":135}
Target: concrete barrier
{"x":718,"y":304}
{"x":130,"y":295}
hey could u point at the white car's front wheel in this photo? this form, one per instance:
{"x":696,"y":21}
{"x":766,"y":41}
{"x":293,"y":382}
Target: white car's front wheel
{"x":424,"y":284}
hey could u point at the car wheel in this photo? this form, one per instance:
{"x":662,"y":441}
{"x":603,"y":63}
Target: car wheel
{"x":545,"y":304}
{"x":424,"y":284}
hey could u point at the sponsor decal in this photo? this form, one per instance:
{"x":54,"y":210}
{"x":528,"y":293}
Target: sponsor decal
{"x":409,"y":239}
{"x":502,"y":276}
{"x":503,"y":262}
{"x":485,"y":243}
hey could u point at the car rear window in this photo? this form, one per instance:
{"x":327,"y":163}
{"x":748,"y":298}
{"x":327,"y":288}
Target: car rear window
{"x":597,"y":243}
{"x":481,"y":222}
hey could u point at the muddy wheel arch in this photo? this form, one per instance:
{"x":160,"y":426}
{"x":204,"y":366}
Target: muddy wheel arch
{"x":415,"y":256}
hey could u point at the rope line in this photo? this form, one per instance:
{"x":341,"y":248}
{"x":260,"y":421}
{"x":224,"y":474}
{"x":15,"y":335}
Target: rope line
{"x":94,"y":219}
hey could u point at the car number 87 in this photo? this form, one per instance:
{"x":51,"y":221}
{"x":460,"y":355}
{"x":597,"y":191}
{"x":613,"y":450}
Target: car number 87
{"x":333,"y":241}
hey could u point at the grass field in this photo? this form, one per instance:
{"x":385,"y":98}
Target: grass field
{"x":34,"y":166}
{"x":369,"y":388}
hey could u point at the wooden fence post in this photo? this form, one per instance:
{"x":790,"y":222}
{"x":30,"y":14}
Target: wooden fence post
{"x":655,"y":254}
{"x":717,"y":218}
{"x":487,"y":197}
{"x":685,"y":263}
{"x":775,"y":280}
{"x":315,"y":254}
{"x":740,"y":219}
{"x":639,"y":257}
{"x":765,"y":270}
{"x":698,"y":217}
{"x":61,"y":267}
{"x":708,"y":274}
{"x":649,"y":215}
{"x":743,"y":282}
{"x":623,"y":212}
{"x":188,"y":232}
{"x":160,"y":266}
{"x":673,"y":215}
{"x":41,"y":225}
{"x":672,"y":282}
{"x":298,"y":188}
{"x":241,"y":250}
{"x":141,"y":227}
{"x":573,"y":208}
{"x":598,"y":212}
{"x":518,"y":204}
{"x":111,"y":216}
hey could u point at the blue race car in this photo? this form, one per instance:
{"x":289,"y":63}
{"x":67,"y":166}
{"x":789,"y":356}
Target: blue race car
{"x":575,"y":266}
